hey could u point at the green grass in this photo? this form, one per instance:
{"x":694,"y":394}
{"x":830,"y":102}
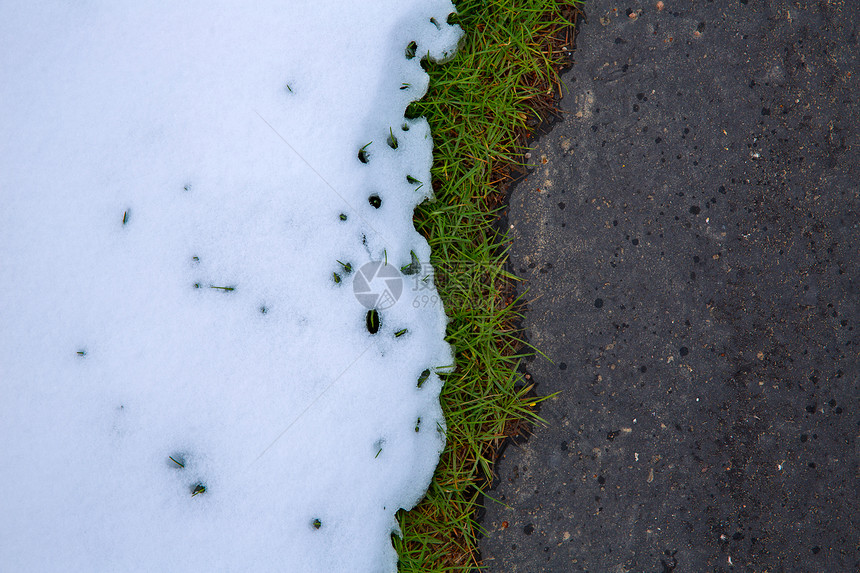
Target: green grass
{"x":482,"y":107}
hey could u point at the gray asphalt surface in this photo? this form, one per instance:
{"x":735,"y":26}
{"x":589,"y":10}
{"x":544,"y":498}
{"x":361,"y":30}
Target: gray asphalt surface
{"x":691,"y":238}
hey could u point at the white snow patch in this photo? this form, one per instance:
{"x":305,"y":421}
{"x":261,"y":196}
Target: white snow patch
{"x":173,"y":184}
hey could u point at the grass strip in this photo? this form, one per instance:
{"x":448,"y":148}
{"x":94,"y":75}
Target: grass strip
{"x":483,"y":107}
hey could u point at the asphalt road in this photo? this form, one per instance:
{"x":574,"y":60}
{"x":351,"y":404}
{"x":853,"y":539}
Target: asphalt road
{"x":690,"y":236}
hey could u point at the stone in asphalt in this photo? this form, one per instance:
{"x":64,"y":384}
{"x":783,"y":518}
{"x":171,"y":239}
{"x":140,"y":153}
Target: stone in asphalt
{"x":691,"y":239}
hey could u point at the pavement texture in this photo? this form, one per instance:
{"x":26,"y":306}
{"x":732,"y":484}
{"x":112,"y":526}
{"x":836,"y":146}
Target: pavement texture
{"x":691,"y":240}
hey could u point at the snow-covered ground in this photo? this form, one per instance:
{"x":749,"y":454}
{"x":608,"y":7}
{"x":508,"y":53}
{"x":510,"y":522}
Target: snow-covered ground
{"x":193,"y":255}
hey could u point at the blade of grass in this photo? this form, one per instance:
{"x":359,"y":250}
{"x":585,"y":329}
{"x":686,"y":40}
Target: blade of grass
{"x":482,"y":106}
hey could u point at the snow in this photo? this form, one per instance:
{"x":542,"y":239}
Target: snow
{"x":179,"y":185}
